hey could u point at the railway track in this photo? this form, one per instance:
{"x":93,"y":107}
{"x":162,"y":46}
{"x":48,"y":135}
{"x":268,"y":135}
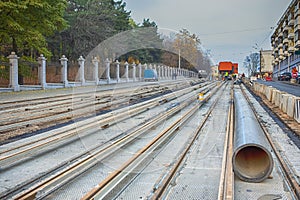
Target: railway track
{"x":15,"y":154}
{"x":45,"y":112}
{"x":165,"y":186}
{"x":183,"y":151}
{"x":134,"y":166}
{"x":162,"y":187}
{"x":169,"y":176}
{"x":281,"y":185}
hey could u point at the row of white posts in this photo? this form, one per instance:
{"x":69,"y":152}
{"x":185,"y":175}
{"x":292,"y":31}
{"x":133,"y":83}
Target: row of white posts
{"x":162,"y":71}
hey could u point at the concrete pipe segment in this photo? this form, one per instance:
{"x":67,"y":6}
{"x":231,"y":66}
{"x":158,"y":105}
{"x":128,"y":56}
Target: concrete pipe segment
{"x":252,"y":161}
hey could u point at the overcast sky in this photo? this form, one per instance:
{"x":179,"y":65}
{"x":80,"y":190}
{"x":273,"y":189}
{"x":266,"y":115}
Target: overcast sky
{"x":228,"y":28}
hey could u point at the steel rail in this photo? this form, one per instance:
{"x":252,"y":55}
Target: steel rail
{"x":84,"y":164}
{"x":226,"y":186}
{"x":288,"y":173}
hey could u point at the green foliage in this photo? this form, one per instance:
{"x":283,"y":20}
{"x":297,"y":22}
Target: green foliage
{"x":26,"y":65}
{"x":91,"y":22}
{"x":4,"y":72}
{"x":26,"y":24}
{"x":145,"y":34}
{"x":132,"y":23}
{"x":4,"y":68}
{"x":148,"y":23}
{"x":70,"y":27}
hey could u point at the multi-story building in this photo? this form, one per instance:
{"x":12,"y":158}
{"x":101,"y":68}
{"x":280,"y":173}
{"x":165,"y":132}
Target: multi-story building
{"x":285,"y":40}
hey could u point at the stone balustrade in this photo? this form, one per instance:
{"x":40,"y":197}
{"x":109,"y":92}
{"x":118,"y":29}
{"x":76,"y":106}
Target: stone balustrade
{"x":133,"y":72}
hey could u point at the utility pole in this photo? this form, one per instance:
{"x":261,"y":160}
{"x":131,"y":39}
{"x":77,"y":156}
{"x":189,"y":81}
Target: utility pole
{"x":289,"y":61}
{"x":279,"y":69}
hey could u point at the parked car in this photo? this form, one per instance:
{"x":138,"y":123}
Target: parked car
{"x":285,"y":76}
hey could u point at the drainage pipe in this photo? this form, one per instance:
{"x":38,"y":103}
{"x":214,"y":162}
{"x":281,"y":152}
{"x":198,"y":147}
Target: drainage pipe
{"x":252,"y":161}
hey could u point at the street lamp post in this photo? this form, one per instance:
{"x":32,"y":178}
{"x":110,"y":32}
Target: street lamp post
{"x":249,"y":69}
{"x":179,"y":60}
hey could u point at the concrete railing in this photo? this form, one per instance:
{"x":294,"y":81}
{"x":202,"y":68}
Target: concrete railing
{"x":163,"y":72}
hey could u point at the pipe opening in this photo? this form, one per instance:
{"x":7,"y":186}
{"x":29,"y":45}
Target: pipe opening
{"x":253,"y":164}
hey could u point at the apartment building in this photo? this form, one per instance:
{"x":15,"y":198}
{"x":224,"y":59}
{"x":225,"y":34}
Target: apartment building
{"x":285,"y":40}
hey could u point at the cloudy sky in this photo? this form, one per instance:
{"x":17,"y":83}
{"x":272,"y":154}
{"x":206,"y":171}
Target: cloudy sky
{"x":229,"y":29}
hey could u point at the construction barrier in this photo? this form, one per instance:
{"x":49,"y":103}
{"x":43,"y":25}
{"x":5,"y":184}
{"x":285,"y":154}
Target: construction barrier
{"x":297,"y":110}
{"x":274,"y":96}
{"x":287,"y":103}
{"x":278,"y":98}
{"x":290,"y":107}
{"x":269,"y":91}
{"x":284,"y":102}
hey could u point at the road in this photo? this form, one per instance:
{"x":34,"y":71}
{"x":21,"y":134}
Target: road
{"x":290,"y":88}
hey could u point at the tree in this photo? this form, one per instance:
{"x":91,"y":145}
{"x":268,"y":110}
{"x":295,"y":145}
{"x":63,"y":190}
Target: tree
{"x":26,"y":24}
{"x":252,"y":63}
{"x":203,"y":61}
{"x":147,"y":39}
{"x":91,"y":22}
{"x":187,"y":44}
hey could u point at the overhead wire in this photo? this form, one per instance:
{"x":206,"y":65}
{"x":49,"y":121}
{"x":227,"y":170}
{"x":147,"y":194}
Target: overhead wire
{"x":235,"y":31}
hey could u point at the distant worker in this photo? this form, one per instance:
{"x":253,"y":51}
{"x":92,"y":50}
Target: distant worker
{"x":226,"y":75}
{"x":174,"y":75}
{"x":234,"y":76}
{"x":294,"y":72}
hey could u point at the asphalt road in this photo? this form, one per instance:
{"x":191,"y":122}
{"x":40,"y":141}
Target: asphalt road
{"x":285,"y":86}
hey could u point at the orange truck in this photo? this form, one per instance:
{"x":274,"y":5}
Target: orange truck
{"x":228,"y":68}
{"x":225,"y":67}
{"x":235,"y":68}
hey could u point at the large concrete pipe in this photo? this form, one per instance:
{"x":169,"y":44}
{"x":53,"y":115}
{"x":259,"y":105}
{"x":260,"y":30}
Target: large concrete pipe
{"x":252,"y":161}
